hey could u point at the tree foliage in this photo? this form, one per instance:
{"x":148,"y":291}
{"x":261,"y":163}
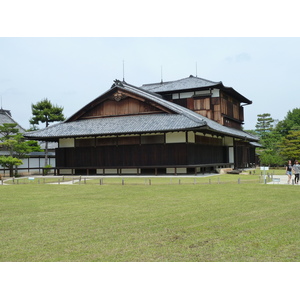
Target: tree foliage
{"x":282,"y":142}
{"x":290,"y":122}
{"x":45,"y":112}
{"x":14,"y":142}
{"x":9,"y":162}
{"x":264,"y":124}
{"x":8,"y":133}
{"x":290,"y":145}
{"x":269,"y":153}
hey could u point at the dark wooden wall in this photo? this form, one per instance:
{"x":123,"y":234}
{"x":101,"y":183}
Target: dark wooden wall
{"x":141,"y":155}
{"x":244,"y":155}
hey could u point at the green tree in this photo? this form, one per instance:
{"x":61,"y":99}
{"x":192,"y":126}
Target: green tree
{"x":45,"y":112}
{"x":270,"y":152}
{"x":290,"y":122}
{"x":9,"y":162}
{"x":290,"y":145}
{"x":23,"y":147}
{"x":264,"y":124}
{"x":13,"y":141}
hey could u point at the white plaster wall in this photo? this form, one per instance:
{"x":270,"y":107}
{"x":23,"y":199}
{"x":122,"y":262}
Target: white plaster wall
{"x":191,"y":137}
{"x":66,"y":171}
{"x":175,"y":137}
{"x":186,"y":95}
{"x":231,"y":155}
{"x":215,"y":93}
{"x":181,"y":170}
{"x":170,"y":170}
{"x":66,"y":143}
{"x":111,"y":171}
{"x":228,"y":141}
{"x":129,"y":171}
{"x":178,"y":171}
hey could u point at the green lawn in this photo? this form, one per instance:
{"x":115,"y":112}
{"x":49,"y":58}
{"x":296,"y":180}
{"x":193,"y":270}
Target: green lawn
{"x":158,"y":222}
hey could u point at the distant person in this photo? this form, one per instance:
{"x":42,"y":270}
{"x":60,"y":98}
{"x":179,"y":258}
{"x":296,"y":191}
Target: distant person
{"x":289,"y":169}
{"x":296,"y":169}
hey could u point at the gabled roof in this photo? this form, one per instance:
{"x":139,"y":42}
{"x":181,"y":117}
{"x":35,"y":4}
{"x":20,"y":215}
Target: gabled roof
{"x":188,"y":83}
{"x":177,"y":118}
{"x":5,"y":117}
{"x":191,"y":83}
{"x":116,"y":125}
{"x":123,"y":86}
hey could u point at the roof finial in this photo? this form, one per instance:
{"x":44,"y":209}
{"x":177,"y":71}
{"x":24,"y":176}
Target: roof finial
{"x":196,"y":69}
{"x":161,"y":74}
{"x":123,"y":72}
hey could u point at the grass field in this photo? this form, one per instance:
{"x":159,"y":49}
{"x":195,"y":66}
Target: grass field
{"x":165,"y":221}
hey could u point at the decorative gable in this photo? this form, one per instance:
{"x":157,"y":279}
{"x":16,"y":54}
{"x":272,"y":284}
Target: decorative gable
{"x":119,"y":102}
{"x":119,"y":105}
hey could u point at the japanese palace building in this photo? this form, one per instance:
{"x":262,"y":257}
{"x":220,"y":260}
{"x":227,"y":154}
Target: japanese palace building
{"x":185,"y":126}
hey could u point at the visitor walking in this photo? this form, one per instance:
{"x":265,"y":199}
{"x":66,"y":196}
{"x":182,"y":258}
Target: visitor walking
{"x":296,"y":170}
{"x":289,"y":169}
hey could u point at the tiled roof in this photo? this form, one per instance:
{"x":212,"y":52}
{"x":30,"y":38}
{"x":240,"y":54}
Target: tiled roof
{"x":117,"y":125}
{"x":193,"y":115}
{"x":181,"y":119}
{"x":181,"y":84}
{"x":5,"y":117}
{"x":191,"y":83}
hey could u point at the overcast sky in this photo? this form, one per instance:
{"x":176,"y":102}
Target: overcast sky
{"x":73,"y":71}
{"x":233,"y":41}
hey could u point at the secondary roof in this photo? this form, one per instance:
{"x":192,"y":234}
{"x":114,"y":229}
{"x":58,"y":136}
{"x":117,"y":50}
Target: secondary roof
{"x":192,"y":83}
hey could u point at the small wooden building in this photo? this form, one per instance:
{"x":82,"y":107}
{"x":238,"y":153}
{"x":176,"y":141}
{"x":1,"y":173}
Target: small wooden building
{"x":186,"y":126}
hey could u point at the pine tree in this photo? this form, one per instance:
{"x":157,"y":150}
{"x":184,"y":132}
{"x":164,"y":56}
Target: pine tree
{"x":290,"y":149}
{"x":264,"y":124}
{"x":13,"y":141}
{"x":45,"y":112}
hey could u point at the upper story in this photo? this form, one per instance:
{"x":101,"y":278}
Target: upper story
{"x":210,"y":99}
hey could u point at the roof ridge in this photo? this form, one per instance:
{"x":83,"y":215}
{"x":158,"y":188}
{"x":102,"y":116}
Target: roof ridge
{"x":7,"y":114}
{"x":175,"y":107}
{"x":177,"y":80}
